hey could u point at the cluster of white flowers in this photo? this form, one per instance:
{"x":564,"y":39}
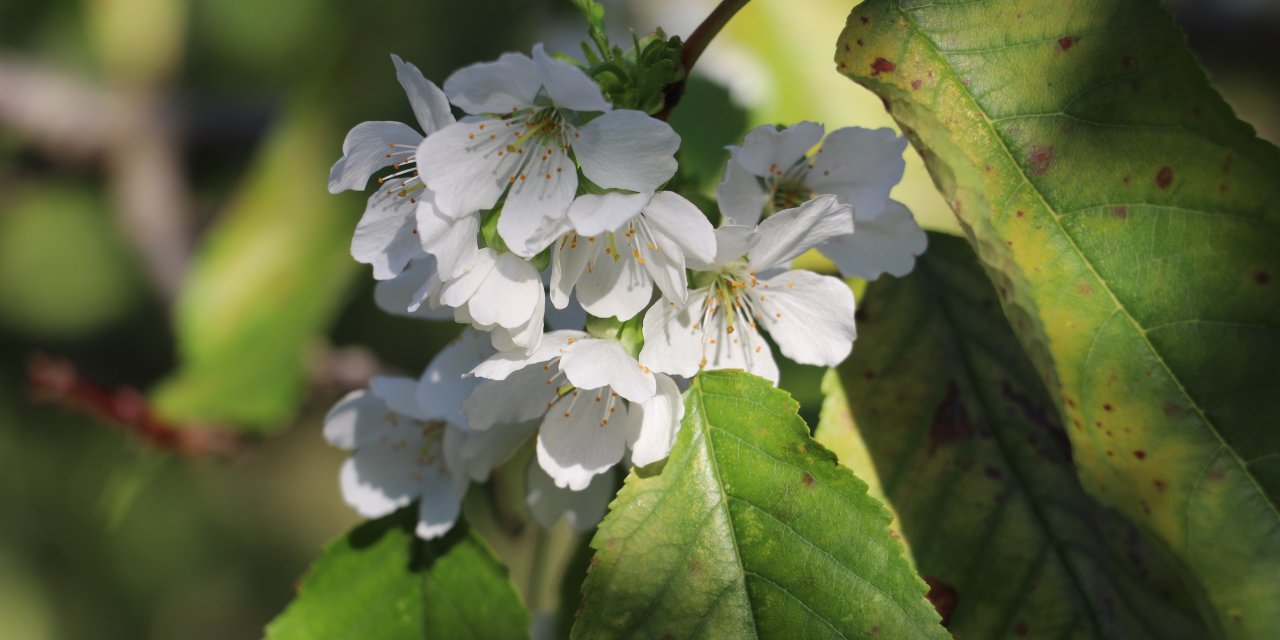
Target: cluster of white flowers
{"x":544,"y":191}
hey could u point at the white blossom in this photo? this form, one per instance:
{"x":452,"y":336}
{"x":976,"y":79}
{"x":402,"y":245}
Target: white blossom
{"x":749,"y":287}
{"x":771,"y":171}
{"x":531,"y":119}
{"x":385,"y":237}
{"x":594,"y":399}
{"x":622,"y":245}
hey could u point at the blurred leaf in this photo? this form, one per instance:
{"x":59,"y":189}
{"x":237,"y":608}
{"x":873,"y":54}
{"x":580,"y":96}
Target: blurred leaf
{"x":1132,"y":225}
{"x":749,"y":529}
{"x":975,"y":461}
{"x":137,"y":40}
{"x":381,"y":582}
{"x":707,"y":121}
{"x":64,"y":269}
{"x":265,"y":286}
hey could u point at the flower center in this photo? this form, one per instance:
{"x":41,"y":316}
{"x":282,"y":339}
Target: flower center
{"x":404,"y":177}
{"x":789,"y":194}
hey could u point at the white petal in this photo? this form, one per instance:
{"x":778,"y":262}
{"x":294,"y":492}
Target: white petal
{"x":365,"y":150}
{"x":583,"y":510}
{"x":860,"y":166}
{"x":520,"y":398}
{"x":525,"y":338}
{"x":507,"y":84}
{"x":810,"y":316}
{"x":569,"y":259}
{"x":593,"y":215}
{"x":614,"y":286}
{"x":458,"y":291}
{"x":574,"y":446}
{"x":429,"y":103}
{"x":887,"y":244}
{"x":442,"y":388}
{"x":354,"y":419}
{"x":385,"y":237}
{"x":655,"y":432}
{"x":595,"y":364}
{"x":791,"y":232}
{"x":467,"y":165}
{"x":483,"y":451}
{"x":400,"y":394}
{"x":741,"y":197}
{"x":568,"y":86}
{"x":537,"y":205}
{"x":385,"y":475}
{"x":509,"y":296}
{"x":732,"y":242}
{"x":766,"y":150}
{"x":442,"y":494}
{"x":673,"y":336}
{"x":503,"y":364}
{"x":675,"y":217}
{"x":627,"y":149}
{"x":744,"y":348}
{"x":397,"y":295}
{"x":664,"y":262}
{"x":452,"y":240}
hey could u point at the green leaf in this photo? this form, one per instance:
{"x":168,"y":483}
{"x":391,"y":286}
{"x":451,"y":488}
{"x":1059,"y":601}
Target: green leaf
{"x":750,"y":529}
{"x":975,"y":460}
{"x":264,"y":287}
{"x":1132,"y":226}
{"x":381,"y":582}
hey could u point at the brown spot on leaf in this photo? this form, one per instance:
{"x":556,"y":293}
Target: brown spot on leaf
{"x":1107,"y":407}
{"x":1227,"y":163}
{"x":1065,"y":43}
{"x":1222,"y":187}
{"x":807,"y":479}
{"x":1021,"y":213}
{"x":944,"y":598}
{"x":1217,"y":475}
{"x":881,"y":65}
{"x":1140,"y":454}
{"x":1164,"y":177}
{"x":1173,"y":410}
{"x":1039,"y":159}
{"x":1022,"y":628}
{"x":870,"y":375}
{"x":950,"y":420}
{"x":915,"y":85}
{"x":864,"y":19}
{"x":1120,"y":212}
{"x":859,"y":42}
{"x":1084,"y":289}
{"x":1262,"y":277}
{"x":1160,"y":485}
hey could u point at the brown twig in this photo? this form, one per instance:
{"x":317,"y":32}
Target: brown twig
{"x":694,"y":45}
{"x":54,"y":380}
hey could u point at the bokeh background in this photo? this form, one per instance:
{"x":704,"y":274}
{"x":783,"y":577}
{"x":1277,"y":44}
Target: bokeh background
{"x":177,"y":304}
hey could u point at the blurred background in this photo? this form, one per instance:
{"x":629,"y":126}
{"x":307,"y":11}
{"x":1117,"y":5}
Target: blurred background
{"x":178,"y":307}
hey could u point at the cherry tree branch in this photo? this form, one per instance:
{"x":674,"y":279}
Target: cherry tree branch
{"x":694,"y":45}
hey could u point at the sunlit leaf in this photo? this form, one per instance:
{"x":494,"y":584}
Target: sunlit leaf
{"x":750,"y":529}
{"x":1132,"y":226}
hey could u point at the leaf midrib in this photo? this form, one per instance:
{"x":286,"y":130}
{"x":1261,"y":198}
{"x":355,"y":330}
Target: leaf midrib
{"x":1025,"y":179}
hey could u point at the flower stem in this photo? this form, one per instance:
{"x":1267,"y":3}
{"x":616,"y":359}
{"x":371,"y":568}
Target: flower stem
{"x":695,"y":45}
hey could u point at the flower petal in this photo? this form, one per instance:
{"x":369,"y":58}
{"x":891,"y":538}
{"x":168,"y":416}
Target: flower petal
{"x":458,"y":291}
{"x":452,"y":240}
{"x":385,"y":237}
{"x":743,"y":348}
{"x":365,"y":150}
{"x":535,"y":211}
{"x":385,"y":475}
{"x":887,"y":244}
{"x":441,"y":502}
{"x":810,"y":316}
{"x":593,"y":214}
{"x":741,"y":197}
{"x":524,"y":338}
{"x":626,"y":149}
{"x":595,"y":364}
{"x":509,"y":295}
{"x":614,"y":286}
{"x":732,"y":242}
{"x":860,"y":166}
{"x":399,"y":294}
{"x":444,"y":386}
{"x":583,"y":510}
{"x":569,"y":259}
{"x":576,"y":441}
{"x":467,"y":165}
{"x":787,"y":234}
{"x":664,"y":262}
{"x":400,"y":394}
{"x":520,"y":398}
{"x":673,"y":335}
{"x":765,"y":150}
{"x":504,"y":363}
{"x":568,"y":86}
{"x":509,"y":83}
{"x":429,"y":103}
{"x":483,"y":451}
{"x":354,"y":420}
{"x":655,"y":431}
{"x":680,"y":220}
